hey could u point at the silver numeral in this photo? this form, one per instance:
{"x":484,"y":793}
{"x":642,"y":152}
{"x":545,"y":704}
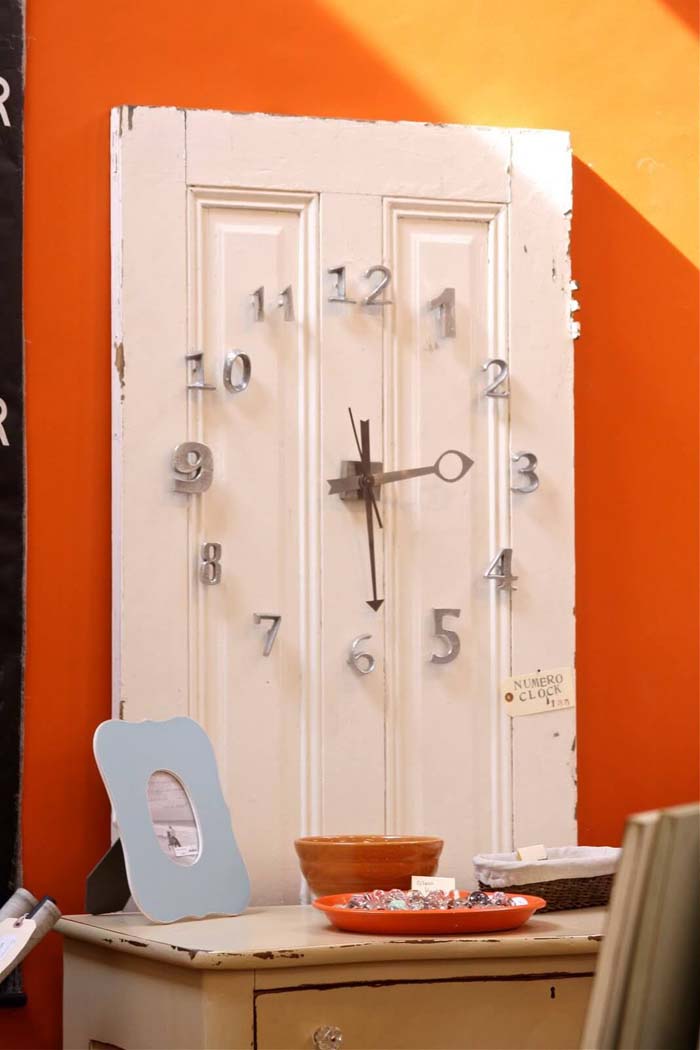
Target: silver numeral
{"x":501,"y":376}
{"x":450,"y":638}
{"x":271,"y":634}
{"x":210,"y":563}
{"x":233,"y":358}
{"x":501,"y":569}
{"x":532,"y":481}
{"x":194,"y":464}
{"x":286,"y":300}
{"x":258,"y":298}
{"x":197,"y":381}
{"x":445,"y":306}
{"x":340,"y":286}
{"x":360,"y":661}
{"x":373,"y":298}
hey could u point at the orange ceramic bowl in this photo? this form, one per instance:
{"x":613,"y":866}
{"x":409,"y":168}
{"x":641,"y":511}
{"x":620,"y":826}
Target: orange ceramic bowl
{"x":357,"y":863}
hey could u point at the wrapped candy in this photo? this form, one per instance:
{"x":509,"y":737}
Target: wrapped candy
{"x":435,"y":900}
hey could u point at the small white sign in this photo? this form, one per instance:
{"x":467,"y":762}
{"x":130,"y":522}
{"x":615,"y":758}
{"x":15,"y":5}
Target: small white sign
{"x":539,"y":691}
{"x":430,"y":883}
{"x":531,"y":853}
{"x":14,"y":934}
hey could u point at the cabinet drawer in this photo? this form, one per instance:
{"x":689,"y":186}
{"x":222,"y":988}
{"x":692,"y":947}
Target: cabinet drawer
{"x":523,"y":1010}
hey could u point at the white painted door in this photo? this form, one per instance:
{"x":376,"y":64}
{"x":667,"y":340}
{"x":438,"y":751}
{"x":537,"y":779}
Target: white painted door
{"x":228,"y":235}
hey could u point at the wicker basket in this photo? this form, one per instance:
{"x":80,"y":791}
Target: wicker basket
{"x":590,"y":887}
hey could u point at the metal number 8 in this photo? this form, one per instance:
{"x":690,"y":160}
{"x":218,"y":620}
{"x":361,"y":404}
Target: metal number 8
{"x":210,"y":564}
{"x":194,"y":462}
{"x":528,"y":472}
{"x":451,"y":638}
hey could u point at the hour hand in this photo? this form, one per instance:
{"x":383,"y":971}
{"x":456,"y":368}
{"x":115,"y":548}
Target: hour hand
{"x":353,"y":483}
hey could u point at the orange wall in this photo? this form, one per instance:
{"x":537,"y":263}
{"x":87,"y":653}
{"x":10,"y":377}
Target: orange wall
{"x":622,"y":78}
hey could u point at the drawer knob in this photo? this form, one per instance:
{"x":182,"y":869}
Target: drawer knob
{"x":327,"y":1037}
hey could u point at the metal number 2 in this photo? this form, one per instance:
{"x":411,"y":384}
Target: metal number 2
{"x":492,"y":389}
{"x":210,"y":564}
{"x":194,"y":462}
{"x":373,"y":298}
{"x":528,"y":472}
{"x":272,"y":633}
{"x":450,"y":638}
{"x":500,"y":569}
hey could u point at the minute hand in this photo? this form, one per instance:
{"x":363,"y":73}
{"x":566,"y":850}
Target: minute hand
{"x":353,"y":483}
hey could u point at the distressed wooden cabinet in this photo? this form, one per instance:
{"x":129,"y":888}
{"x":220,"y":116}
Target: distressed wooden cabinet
{"x":266,"y":236}
{"x":275,"y":978}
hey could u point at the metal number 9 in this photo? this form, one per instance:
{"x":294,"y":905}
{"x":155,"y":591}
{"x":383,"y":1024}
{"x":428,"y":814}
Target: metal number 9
{"x":363,"y":663}
{"x":194,"y":462}
{"x":528,"y":472}
{"x":450,"y":638}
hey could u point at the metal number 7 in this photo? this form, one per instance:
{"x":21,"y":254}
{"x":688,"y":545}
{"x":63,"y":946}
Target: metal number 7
{"x":272,"y":633}
{"x":450,"y":638}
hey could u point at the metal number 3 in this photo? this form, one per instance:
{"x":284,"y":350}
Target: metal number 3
{"x":194,"y":464}
{"x":528,"y":472}
{"x":373,"y":298}
{"x":450,"y":638}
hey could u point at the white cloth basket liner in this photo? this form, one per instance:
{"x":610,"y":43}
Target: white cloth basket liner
{"x":563,"y":862}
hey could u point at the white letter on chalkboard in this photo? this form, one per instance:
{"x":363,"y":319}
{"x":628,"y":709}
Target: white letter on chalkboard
{"x":5,"y":88}
{"x":3,"y":417}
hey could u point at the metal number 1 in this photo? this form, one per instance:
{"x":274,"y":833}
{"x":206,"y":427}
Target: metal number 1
{"x":445,"y":306}
{"x":450,"y":638}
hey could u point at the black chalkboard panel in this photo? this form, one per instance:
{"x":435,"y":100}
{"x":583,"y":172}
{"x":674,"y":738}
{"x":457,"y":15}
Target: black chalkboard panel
{"x":12,"y":532}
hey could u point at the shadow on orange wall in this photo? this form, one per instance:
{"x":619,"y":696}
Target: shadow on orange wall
{"x":636,"y":417}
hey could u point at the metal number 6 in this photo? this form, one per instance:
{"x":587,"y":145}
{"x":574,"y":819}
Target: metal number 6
{"x":528,"y":472}
{"x":373,"y":298}
{"x":363,"y":663}
{"x":194,"y":462}
{"x":450,"y":638}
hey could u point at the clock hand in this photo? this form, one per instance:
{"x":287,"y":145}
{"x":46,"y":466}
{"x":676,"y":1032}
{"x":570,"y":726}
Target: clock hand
{"x":359,"y":449}
{"x":355,"y":482}
{"x":368,"y":495}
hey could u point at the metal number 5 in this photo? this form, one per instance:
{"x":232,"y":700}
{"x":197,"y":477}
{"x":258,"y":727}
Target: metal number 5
{"x":363,"y":663}
{"x":194,"y":462}
{"x":373,"y":298}
{"x":450,"y":638}
{"x":528,"y":472}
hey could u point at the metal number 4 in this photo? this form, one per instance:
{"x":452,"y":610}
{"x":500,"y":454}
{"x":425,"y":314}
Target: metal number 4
{"x":500,"y":569}
{"x":450,"y":638}
{"x":194,"y":464}
{"x":532,"y":481}
{"x":273,"y":631}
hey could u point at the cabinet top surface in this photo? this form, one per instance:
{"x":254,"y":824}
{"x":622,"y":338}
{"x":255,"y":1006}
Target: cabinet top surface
{"x":300,"y":936}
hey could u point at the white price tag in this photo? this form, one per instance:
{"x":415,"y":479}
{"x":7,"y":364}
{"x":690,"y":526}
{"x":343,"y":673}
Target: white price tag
{"x":531,"y":853}
{"x":429,"y":883}
{"x":14,"y":934}
{"x":539,"y":691}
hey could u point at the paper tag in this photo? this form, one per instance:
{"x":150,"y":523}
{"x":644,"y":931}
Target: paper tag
{"x":539,"y":691}
{"x":429,"y":883}
{"x":14,"y":934}
{"x":530,"y":853}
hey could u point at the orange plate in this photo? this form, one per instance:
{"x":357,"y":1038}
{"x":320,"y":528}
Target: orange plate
{"x":431,"y":921}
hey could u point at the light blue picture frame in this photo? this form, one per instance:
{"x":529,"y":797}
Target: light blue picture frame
{"x":127,"y":754}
